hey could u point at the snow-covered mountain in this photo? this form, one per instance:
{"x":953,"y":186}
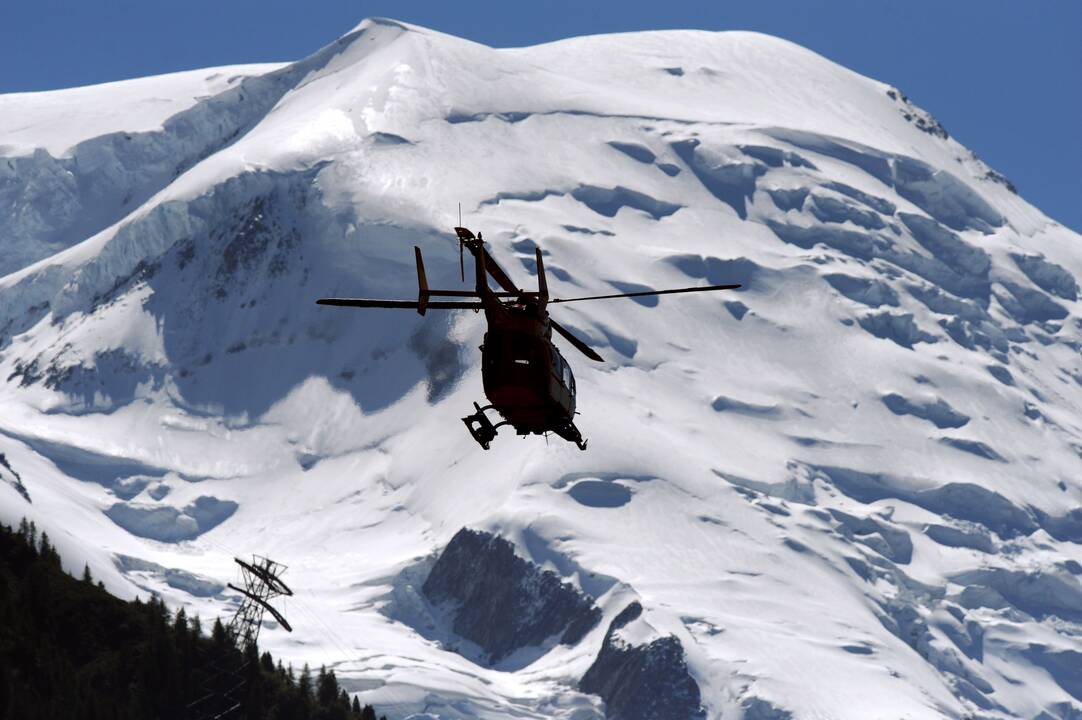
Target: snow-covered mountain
{"x":848,"y":490}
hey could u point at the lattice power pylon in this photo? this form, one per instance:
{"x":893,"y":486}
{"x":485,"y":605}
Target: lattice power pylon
{"x":262,"y":583}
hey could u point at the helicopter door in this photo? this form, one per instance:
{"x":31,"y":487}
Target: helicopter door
{"x":512,"y":368}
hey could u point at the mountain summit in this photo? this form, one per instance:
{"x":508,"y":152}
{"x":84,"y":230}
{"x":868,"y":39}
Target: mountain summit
{"x":848,"y":490}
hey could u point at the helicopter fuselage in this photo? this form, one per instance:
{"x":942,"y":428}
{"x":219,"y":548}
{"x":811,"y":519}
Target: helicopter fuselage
{"x":525,"y":377}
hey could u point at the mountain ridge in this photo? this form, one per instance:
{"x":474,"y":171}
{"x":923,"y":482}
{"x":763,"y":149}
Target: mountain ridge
{"x":766,"y":473}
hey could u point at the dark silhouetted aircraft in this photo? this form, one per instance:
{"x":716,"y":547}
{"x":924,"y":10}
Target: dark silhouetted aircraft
{"x":526,"y":379}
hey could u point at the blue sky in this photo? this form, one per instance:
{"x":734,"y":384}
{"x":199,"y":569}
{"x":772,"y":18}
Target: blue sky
{"x":1004,"y":77}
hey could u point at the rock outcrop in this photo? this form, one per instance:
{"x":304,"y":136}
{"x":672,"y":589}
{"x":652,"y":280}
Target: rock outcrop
{"x":642,"y":681}
{"x":503,"y":602}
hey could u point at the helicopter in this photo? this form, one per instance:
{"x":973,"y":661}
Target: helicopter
{"x":525,"y":377}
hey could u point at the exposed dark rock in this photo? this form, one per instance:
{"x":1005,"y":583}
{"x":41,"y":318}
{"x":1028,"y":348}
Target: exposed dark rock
{"x":14,"y":481}
{"x":924,"y":120}
{"x":112,"y":378}
{"x":504,"y":602}
{"x":642,"y":682}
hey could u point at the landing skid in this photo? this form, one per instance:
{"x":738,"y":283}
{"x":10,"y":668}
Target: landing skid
{"x":571,"y":433}
{"x":480,"y":427}
{"x":484,"y":430}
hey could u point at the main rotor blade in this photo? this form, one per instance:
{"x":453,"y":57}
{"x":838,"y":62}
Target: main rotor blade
{"x":579,"y":344}
{"x":401,"y":304}
{"x":498,"y":274}
{"x":708,"y":288}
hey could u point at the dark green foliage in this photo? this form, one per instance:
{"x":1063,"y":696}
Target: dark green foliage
{"x":68,"y":649}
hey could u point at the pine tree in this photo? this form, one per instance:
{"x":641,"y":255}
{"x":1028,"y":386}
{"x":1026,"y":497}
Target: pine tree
{"x":356,"y":706}
{"x":326,"y":687}
{"x":86,"y":574}
{"x":48,"y":552}
{"x":219,"y":634}
{"x":180,"y":625}
{"x":304,"y":684}
{"x":24,"y":533}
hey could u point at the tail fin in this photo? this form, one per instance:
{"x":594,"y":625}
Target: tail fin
{"x":422,"y":282}
{"x":542,"y":282}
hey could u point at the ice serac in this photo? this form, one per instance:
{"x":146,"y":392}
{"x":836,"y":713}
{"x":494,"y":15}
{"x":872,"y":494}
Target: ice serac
{"x":644,"y":680}
{"x":503,"y":602}
{"x":863,"y":463}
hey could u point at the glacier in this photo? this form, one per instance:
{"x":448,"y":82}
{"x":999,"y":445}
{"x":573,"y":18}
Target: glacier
{"x":848,"y":490}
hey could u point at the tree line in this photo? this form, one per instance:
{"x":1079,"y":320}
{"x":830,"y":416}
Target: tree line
{"x":69,"y":649}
